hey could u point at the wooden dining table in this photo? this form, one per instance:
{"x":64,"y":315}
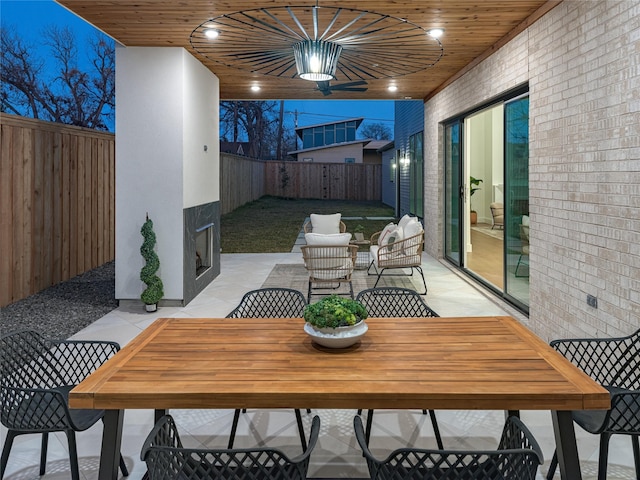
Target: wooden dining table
{"x":462,"y":363}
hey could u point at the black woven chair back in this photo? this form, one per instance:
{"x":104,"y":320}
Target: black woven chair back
{"x":517,"y":458}
{"x":609,"y":361}
{"x":394,"y":302}
{"x":167,"y":459}
{"x":36,"y":377}
{"x":270,"y":303}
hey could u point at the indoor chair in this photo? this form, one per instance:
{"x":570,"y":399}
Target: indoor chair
{"x":615,"y":364}
{"x":497,"y":215}
{"x":168,"y":459}
{"x":517,"y":458}
{"x":37,"y":375}
{"x":269,"y":303}
{"x":396,"y":302}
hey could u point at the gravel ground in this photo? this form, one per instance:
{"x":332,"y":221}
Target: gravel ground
{"x":64,"y":309}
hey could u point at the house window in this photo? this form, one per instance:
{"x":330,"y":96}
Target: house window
{"x":307,"y":159}
{"x":349,"y":160}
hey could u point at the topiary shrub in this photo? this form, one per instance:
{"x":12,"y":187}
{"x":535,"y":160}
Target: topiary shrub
{"x":155,"y":290}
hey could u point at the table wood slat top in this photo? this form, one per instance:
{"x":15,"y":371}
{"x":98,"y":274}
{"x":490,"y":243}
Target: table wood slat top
{"x":435,"y":363}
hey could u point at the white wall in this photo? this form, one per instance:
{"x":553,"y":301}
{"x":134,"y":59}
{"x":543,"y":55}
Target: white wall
{"x":200,"y":128}
{"x":165,"y":113}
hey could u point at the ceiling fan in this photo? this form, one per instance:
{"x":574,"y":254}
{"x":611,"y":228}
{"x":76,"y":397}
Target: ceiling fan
{"x":326,"y":88}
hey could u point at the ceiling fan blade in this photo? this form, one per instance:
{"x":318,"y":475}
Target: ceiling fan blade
{"x":345,"y":88}
{"x":351,"y":84}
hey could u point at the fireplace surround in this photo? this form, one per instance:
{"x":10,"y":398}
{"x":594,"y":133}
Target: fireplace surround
{"x":201,"y":248}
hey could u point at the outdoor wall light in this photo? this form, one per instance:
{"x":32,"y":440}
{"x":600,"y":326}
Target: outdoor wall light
{"x":404,"y":161}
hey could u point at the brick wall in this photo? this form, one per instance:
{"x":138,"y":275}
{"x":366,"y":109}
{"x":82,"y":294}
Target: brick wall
{"x":582,"y":62}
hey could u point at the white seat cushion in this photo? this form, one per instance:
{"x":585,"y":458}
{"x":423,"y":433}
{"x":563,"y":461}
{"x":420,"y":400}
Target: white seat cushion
{"x":326,"y":224}
{"x":327,"y":239}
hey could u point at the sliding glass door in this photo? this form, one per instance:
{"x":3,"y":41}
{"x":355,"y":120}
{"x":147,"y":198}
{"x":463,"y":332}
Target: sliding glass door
{"x":488,"y":235}
{"x":452,"y":191}
{"x":516,"y":164}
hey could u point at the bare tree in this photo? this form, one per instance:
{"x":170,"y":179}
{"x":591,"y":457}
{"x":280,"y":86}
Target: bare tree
{"x":376,"y":131}
{"x":258,"y":123}
{"x":65,"y":93}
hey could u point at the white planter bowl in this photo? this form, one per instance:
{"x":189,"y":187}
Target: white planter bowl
{"x":340,"y":337}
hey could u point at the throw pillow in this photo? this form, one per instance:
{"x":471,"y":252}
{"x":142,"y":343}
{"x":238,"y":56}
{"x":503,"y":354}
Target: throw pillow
{"x":385,"y":232}
{"x":326,"y":224}
{"x":331,"y":239}
{"x":413,"y":227}
{"x":404,"y":220}
{"x":393,"y":237}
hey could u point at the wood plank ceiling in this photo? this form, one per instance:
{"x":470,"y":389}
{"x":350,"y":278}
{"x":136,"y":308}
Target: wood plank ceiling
{"x":473,"y":28}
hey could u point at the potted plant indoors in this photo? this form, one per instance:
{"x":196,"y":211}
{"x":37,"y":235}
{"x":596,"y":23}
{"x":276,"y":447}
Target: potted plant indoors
{"x":155,"y":289}
{"x":474,"y":185}
{"x":335,"y":322}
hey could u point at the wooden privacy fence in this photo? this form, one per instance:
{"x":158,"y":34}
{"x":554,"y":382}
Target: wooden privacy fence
{"x":57,"y":204}
{"x":331,"y":181}
{"x":57,"y":198}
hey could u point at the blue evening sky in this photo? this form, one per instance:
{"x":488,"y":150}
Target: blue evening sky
{"x":30,"y":17}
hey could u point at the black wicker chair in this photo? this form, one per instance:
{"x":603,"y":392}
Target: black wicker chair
{"x":270,"y":303}
{"x":36,"y":377}
{"x":167,"y":459}
{"x":615,"y":364}
{"x":397,"y":302}
{"x":517,"y":458}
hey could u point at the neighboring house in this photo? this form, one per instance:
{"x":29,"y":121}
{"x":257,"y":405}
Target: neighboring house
{"x":408,"y":138}
{"x":389,"y":173}
{"x":336,"y":142}
{"x":237,"y":148}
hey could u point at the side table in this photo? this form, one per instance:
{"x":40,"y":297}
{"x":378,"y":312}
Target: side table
{"x":362,"y":260}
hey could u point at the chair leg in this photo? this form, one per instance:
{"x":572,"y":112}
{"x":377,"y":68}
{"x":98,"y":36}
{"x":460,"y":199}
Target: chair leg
{"x":636,"y":453}
{"x":73,"y":454}
{"x":43,"y":453}
{"x":303,"y":439}
{"x":8,"y":442}
{"x":123,"y":467}
{"x":351,"y":288}
{"x":553,"y":465}
{"x":604,"y":454}
{"x":436,"y":429}
{"x":234,"y":427}
{"x":309,"y":293}
{"x":423,"y":280}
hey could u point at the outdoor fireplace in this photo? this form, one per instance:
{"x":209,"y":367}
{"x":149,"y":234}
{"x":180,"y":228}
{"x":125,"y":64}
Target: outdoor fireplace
{"x":201,"y":248}
{"x":204,"y":246}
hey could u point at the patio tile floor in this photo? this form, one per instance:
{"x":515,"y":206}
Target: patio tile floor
{"x":337,"y":454}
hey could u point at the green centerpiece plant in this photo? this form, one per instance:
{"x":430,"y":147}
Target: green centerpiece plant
{"x":335,"y":311}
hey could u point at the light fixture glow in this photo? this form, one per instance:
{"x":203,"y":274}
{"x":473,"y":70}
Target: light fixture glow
{"x":211,"y":33}
{"x":316,"y":60}
{"x":255,"y":88}
{"x":436,"y":32}
{"x":392,"y":88}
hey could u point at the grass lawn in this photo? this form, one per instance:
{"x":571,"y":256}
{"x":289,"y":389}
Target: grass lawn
{"x":272,"y":224}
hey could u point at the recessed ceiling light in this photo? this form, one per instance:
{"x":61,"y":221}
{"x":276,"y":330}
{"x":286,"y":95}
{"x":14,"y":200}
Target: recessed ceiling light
{"x":211,"y":33}
{"x":436,"y":32}
{"x":255,"y":88}
{"x":392,"y":88}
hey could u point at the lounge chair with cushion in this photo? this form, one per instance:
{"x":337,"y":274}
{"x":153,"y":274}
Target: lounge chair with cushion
{"x":398,"y":247}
